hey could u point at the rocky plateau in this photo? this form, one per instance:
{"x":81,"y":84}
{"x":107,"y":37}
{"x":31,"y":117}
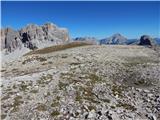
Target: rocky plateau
{"x":91,"y":82}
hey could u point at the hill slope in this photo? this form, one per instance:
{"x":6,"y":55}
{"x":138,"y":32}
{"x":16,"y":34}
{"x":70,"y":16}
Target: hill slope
{"x":88,"y":82}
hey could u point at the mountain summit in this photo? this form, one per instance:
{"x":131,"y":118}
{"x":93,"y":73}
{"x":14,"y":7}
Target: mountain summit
{"x":114,"y":39}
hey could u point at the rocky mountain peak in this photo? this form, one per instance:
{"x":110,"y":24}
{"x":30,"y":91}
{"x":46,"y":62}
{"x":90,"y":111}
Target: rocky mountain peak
{"x":114,"y":39}
{"x":33,"y":36}
{"x":50,"y":26}
{"x":118,"y":36}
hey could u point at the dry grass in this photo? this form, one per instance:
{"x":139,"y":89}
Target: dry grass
{"x":58,"y":48}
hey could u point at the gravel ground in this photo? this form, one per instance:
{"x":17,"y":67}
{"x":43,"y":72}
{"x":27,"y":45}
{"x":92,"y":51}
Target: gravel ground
{"x":107,"y":82}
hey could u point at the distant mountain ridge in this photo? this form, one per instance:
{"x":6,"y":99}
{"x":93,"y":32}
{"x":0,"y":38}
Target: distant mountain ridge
{"x":157,"y":40}
{"x":92,"y":40}
{"x":118,"y":39}
{"x":15,"y":43}
{"x":34,"y":36}
{"x":114,"y":39}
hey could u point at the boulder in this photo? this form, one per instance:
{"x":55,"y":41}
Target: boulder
{"x":146,"y":40}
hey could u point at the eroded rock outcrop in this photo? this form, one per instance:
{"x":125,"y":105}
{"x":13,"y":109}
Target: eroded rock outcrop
{"x":33,"y":36}
{"x":146,"y":40}
{"x":10,"y":40}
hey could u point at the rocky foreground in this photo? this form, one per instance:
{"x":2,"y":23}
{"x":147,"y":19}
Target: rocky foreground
{"x":88,"y":82}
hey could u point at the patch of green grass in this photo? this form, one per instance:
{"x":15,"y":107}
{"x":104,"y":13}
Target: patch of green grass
{"x":118,"y":90}
{"x":55,"y":104}
{"x":76,"y":113}
{"x":15,"y":109}
{"x":62,"y":85}
{"x":29,"y":97}
{"x":78,"y":97}
{"x":55,"y":113}
{"x":113,"y":107}
{"x":3,"y":70}
{"x":50,"y":62}
{"x":45,"y":79}
{"x":91,"y":107}
{"x":17,"y":102}
{"x":23,"y":87}
{"x":48,"y":93}
{"x":67,"y":75}
{"x":3,"y":116}
{"x":41,"y":107}
{"x":85,"y":93}
{"x":89,"y":95}
{"x":94,"y":78}
{"x":34,"y":91}
{"x":133,"y":78}
{"x":35,"y":58}
{"x":8,"y":89}
{"x":5,"y":97}
{"x":126,"y":106}
{"x":14,"y":69}
{"x":75,"y":63}
{"x":106,"y":100}
{"x":64,"y":56}
{"x":139,"y":82}
{"x":57,"y":48}
{"x":58,"y":98}
{"x":91,"y":99}
{"x":143,"y":82}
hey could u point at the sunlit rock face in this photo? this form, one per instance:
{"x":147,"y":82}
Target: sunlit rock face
{"x":10,"y":40}
{"x":114,"y":39}
{"x":52,"y":32}
{"x":33,"y":36}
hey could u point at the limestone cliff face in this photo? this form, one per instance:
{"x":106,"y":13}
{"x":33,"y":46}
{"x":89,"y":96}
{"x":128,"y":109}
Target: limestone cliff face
{"x":52,"y":32}
{"x":33,"y":36}
{"x":10,"y":39}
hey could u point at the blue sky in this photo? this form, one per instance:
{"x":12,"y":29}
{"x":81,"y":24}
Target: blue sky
{"x":94,"y":18}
